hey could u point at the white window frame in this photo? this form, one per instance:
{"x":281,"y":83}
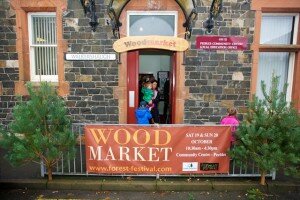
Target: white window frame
{"x":292,"y":56}
{"x":174,"y":13}
{"x":296,"y":15}
{"x":33,"y":76}
{"x":290,"y":77}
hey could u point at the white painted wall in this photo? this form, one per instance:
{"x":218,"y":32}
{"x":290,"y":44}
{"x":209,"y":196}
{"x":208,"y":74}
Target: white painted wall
{"x":154,"y":63}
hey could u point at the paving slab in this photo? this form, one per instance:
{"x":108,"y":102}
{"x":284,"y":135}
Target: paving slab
{"x":283,"y":187}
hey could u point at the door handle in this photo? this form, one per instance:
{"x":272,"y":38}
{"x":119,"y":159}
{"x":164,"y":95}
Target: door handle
{"x":131,"y":99}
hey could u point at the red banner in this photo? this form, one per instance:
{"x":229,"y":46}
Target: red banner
{"x":131,"y":149}
{"x":221,"y":43}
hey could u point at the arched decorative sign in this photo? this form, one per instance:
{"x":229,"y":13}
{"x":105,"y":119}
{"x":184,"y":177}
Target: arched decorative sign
{"x":150,"y":42}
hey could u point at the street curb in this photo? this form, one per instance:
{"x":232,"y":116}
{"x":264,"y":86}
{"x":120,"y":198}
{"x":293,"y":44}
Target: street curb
{"x":183,"y":186}
{"x":234,"y":186}
{"x":145,"y":185}
{"x":74,"y":184}
{"x":128,"y":185}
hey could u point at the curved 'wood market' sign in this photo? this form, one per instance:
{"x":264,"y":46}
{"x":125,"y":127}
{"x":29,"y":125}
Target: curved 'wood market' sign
{"x":150,"y":42}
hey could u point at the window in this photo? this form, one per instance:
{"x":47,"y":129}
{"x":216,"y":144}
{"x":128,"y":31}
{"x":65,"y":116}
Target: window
{"x":277,"y":31}
{"x":40,"y":43}
{"x":152,"y":23}
{"x":43,"y":47}
{"x":277,"y":64}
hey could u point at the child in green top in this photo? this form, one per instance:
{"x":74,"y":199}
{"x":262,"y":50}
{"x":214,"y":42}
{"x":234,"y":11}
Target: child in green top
{"x":148,"y":94}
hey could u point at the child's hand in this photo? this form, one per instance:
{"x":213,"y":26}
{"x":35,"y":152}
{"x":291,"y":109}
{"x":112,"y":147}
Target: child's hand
{"x":150,"y":102}
{"x":155,"y":124}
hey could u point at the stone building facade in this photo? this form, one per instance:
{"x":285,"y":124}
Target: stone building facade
{"x":208,"y":82}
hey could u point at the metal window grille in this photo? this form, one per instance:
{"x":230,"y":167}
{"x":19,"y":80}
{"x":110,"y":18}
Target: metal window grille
{"x":43,"y":47}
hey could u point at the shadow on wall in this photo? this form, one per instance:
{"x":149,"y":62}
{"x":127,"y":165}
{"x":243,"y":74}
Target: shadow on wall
{"x":30,"y":170}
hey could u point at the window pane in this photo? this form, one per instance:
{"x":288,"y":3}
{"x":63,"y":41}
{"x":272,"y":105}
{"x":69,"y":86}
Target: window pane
{"x":45,"y":60}
{"x":277,"y":29}
{"x":272,"y":63}
{"x":141,"y":25}
{"x":43,"y":47}
{"x":43,"y":29}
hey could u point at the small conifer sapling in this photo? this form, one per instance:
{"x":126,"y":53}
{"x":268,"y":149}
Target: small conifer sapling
{"x":40,"y":129}
{"x":270,"y":134}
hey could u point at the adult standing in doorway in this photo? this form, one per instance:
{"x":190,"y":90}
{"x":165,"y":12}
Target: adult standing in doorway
{"x":166,"y":100}
{"x":155,"y":101}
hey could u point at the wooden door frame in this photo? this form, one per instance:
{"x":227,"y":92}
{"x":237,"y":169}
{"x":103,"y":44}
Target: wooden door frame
{"x":181,"y":91}
{"x":173,"y":86}
{"x":133,"y":87}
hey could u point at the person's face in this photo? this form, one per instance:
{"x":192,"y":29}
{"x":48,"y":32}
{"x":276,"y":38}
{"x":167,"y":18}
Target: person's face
{"x":154,"y":85}
{"x":149,"y":86}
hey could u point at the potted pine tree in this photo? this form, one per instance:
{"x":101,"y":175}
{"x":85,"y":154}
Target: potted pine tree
{"x":40,"y":129}
{"x":270,"y":133}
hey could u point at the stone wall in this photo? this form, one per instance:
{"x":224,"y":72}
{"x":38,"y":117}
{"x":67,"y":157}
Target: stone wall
{"x":209,"y":74}
{"x":91,"y":82}
{"x":8,"y":61}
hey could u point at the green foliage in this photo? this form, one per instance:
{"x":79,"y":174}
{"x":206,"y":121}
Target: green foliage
{"x":255,"y":194}
{"x":191,"y":196}
{"x":40,"y":129}
{"x":270,"y":135}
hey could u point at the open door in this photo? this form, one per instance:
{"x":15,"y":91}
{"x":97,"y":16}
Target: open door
{"x":150,"y":63}
{"x":133,"y":85}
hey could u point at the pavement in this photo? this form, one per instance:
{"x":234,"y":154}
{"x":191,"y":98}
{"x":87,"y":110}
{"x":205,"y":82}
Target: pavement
{"x":129,"y":195}
{"x":148,"y":188}
{"x":25,"y":182}
{"x":150,"y":184}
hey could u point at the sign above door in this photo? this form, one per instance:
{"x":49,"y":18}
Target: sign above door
{"x":150,"y":42}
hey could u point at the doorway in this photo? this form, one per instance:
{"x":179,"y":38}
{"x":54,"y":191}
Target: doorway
{"x":149,"y":65}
